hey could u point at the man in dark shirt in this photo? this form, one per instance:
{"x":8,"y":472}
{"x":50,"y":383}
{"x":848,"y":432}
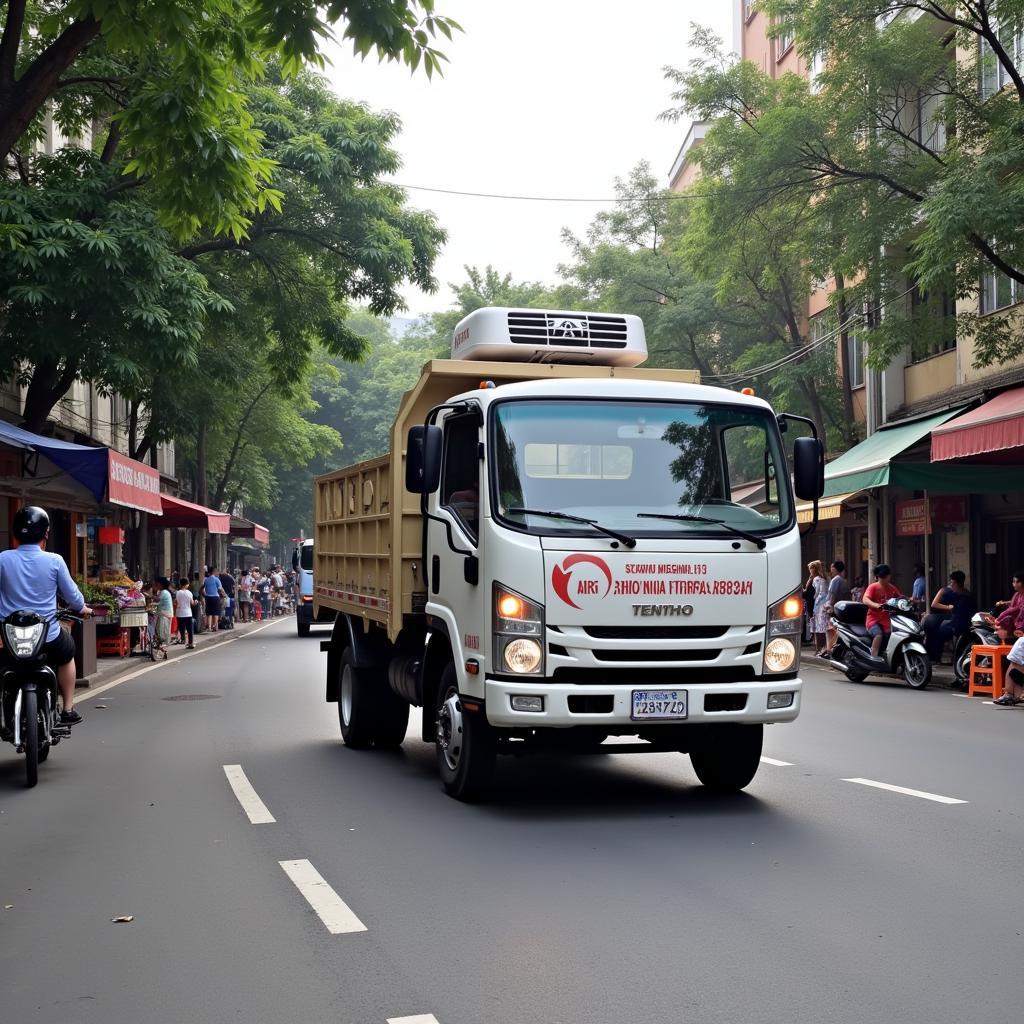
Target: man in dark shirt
{"x":227,"y":581}
{"x":958,"y":602}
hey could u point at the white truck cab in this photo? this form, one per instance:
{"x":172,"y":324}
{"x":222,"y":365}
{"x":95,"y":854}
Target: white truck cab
{"x":603,"y":550}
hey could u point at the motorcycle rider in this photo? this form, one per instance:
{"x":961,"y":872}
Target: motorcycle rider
{"x":878,"y":622}
{"x":30,"y":580}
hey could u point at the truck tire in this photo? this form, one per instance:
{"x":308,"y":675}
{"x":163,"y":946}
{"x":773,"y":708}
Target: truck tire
{"x":465,"y":743}
{"x":728,"y":758}
{"x":303,"y":628}
{"x":356,"y":704}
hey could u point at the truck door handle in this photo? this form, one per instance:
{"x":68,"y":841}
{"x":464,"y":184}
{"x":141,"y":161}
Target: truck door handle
{"x":435,"y":574}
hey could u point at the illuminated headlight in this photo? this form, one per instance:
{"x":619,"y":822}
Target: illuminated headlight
{"x":24,"y":641}
{"x":786,"y":616}
{"x":779,"y":655}
{"x":522,"y":655}
{"x":518,"y":632}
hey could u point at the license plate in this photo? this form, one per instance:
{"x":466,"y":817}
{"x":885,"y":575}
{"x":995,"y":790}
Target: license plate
{"x":658,"y":704}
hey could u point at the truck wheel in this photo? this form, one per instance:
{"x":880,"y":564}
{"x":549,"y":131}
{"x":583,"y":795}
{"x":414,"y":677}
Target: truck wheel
{"x":355,"y":704}
{"x":728,"y":758}
{"x":392,"y":719}
{"x":465,"y":744}
{"x":303,"y":628}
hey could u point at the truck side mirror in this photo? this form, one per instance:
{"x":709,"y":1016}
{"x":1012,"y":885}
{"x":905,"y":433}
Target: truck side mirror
{"x":808,"y":468}
{"x":423,"y":459}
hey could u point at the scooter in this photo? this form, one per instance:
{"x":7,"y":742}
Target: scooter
{"x":30,"y":704}
{"x":904,"y":654}
{"x":982,"y":633}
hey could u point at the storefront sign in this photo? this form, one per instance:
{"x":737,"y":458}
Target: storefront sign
{"x":912,"y":518}
{"x":133,"y":484}
{"x":949,"y":508}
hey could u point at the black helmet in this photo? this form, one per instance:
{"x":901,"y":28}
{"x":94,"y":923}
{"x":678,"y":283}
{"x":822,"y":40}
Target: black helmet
{"x":31,"y":524}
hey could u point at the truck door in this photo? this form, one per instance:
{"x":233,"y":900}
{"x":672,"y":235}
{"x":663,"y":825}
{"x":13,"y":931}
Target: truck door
{"x":453,"y":538}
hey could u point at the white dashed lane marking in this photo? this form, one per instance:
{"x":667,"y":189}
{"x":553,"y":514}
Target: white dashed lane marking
{"x":247,"y":796}
{"x":329,"y":906}
{"x":778,"y":764}
{"x":907,"y":792}
{"x":420,"y":1018}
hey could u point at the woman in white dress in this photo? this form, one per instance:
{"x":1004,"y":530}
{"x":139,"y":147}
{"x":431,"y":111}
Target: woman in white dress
{"x":819,"y":619}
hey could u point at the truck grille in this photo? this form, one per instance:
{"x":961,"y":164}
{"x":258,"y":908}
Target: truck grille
{"x":583,"y":330}
{"x":655,"y":632}
{"x":653,"y":676}
{"x":661,"y":655}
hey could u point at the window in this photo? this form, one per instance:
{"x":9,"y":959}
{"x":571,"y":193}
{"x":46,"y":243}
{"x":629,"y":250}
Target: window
{"x":998,"y":291}
{"x":749,"y":10}
{"x":992,"y":75}
{"x":854,"y":356}
{"x":815,"y":70}
{"x":931,"y":121}
{"x":783,"y":42}
{"x":934,"y":312}
{"x":460,"y":478}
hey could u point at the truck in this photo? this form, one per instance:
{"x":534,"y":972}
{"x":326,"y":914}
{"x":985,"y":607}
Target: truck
{"x":564,"y":550}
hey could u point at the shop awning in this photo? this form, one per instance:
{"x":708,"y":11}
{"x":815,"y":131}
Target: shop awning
{"x":246,"y":528}
{"x":994,"y":432}
{"x":101,"y":471}
{"x":181,"y":513}
{"x":828,"y":508}
{"x":81,"y":462}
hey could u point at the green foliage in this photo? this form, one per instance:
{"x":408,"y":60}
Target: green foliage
{"x":911,"y":174}
{"x":176,"y":76}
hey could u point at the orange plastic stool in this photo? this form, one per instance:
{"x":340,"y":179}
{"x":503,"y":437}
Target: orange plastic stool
{"x":987,"y":680}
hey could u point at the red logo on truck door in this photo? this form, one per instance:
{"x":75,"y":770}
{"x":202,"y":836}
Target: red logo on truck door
{"x":585,"y":585}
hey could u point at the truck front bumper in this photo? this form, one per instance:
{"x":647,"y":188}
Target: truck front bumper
{"x":565,"y":705}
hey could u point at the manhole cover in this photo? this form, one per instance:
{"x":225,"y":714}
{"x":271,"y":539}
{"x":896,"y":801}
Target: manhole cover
{"x":193,"y":696}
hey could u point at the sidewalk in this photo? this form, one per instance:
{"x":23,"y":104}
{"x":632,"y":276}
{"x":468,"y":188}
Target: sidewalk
{"x":111,"y":668}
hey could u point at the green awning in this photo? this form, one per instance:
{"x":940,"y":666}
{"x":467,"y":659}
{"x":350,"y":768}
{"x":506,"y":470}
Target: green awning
{"x":870,"y":464}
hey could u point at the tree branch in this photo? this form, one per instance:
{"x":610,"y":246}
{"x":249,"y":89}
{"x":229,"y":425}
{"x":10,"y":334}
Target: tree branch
{"x":10,"y":42}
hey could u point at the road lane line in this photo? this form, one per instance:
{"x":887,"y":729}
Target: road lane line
{"x":247,"y":796}
{"x":778,"y":764}
{"x":907,"y":792}
{"x":329,"y":906}
{"x":89,"y":692}
{"x":419,"y":1018}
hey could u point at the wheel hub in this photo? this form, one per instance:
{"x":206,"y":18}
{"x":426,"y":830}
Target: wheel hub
{"x":346,"y":695}
{"x":449,"y":730}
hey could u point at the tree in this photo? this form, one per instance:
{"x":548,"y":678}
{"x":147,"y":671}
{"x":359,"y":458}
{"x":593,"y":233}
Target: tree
{"x":93,"y":286}
{"x":895,"y":143}
{"x":174,"y":73}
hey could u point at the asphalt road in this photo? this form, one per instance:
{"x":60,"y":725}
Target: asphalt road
{"x":610,"y":888}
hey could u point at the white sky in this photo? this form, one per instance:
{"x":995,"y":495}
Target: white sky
{"x":541,"y":97}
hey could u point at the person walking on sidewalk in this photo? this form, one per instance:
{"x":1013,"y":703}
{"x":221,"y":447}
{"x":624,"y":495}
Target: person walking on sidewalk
{"x":183,"y":604}
{"x":245,"y":596}
{"x":227,"y":581}
{"x":162,"y":619}
{"x":817,"y":586}
{"x":838,"y":590}
{"x":30,"y":580}
{"x":213,"y":592}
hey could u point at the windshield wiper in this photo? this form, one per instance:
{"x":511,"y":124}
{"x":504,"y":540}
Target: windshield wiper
{"x":623,"y":538}
{"x":753,"y":538}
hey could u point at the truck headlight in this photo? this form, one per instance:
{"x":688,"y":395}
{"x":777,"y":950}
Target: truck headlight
{"x":522,"y":655}
{"x":518,"y":632}
{"x":780,"y":655}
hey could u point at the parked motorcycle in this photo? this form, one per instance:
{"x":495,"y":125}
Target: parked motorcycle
{"x":30,"y":703}
{"x":904,"y":654}
{"x":981,"y":633}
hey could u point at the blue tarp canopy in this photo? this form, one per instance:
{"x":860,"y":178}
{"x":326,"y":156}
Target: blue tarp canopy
{"x":82,"y":463}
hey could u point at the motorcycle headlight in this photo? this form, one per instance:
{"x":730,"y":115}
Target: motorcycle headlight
{"x":518,"y":633}
{"x":24,"y":641}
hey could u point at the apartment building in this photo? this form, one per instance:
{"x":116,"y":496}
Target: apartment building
{"x":930,"y":483}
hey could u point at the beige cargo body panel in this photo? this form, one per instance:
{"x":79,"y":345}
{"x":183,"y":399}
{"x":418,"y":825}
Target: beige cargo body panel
{"x":369,"y":532}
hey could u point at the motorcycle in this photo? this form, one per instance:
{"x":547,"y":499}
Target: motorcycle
{"x":30,"y":703}
{"x":982,"y":633}
{"x":904,"y":654}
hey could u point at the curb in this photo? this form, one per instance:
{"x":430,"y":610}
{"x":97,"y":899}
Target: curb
{"x":115,"y":668}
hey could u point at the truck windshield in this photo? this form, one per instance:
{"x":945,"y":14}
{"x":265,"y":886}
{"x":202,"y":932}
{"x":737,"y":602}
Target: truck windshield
{"x":306,"y":557}
{"x":613,"y":460}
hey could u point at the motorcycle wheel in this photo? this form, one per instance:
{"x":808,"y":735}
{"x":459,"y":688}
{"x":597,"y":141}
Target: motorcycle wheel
{"x":917,"y":670}
{"x":30,"y":736}
{"x":962,"y":667}
{"x":856,"y":675}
